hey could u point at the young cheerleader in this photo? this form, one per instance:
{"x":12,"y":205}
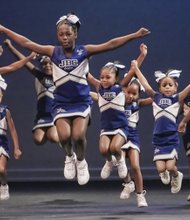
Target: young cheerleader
{"x":166,"y":106}
{"x":6,"y":121}
{"x":72,"y":100}
{"x":44,"y":128}
{"x":108,"y":137}
{"x":132,"y":147}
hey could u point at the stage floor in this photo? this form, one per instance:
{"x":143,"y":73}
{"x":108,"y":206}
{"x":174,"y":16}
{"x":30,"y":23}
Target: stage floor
{"x":98,"y":200}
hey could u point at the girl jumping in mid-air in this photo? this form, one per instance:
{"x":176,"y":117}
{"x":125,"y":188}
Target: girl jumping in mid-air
{"x":166,"y":106}
{"x":44,"y":128}
{"x":6,"y":121}
{"x":72,"y":105}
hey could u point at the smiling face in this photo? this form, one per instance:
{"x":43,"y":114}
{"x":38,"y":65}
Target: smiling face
{"x":107,"y":78}
{"x":66,"y":36}
{"x":47,"y":66}
{"x":168,"y":86}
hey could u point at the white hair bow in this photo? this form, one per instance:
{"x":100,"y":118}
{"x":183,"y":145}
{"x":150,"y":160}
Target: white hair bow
{"x":3,"y":84}
{"x":172,"y":73}
{"x":117,"y":65}
{"x":73,"y":19}
{"x":136,"y":79}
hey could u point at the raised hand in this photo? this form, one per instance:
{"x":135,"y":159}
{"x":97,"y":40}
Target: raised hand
{"x":142,"y":32}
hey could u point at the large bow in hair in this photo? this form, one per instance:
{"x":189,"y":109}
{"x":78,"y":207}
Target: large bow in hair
{"x":171,"y":73}
{"x":141,"y":87}
{"x":73,"y":19}
{"x":117,"y":65}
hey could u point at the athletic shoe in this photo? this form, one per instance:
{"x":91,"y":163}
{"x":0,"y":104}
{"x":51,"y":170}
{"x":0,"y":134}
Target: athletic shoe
{"x":70,"y":167}
{"x":141,"y":201}
{"x":127,"y":190}
{"x":165,"y":177}
{"x":83,"y":175}
{"x":4,"y":192}
{"x":106,"y":169}
{"x":188,"y":197}
{"x":122,"y":168}
{"x":176,"y":183}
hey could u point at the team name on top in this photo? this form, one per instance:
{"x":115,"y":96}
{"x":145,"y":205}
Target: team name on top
{"x":165,"y":101}
{"x":68,"y":63}
{"x":47,"y":82}
{"x":109,"y":95}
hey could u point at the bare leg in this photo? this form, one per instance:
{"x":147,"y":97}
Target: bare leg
{"x":63,"y":126}
{"x":3,"y":169}
{"x":39,"y":136}
{"x":135,"y":166}
{"x":104,"y":143}
{"x":79,"y":128}
{"x":52,"y":134}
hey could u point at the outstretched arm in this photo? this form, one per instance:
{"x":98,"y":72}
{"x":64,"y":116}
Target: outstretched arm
{"x":18,"y":54}
{"x":142,"y":79}
{"x":93,"y":81}
{"x":17,"y":65}
{"x":27,"y":43}
{"x":140,"y":59}
{"x":13,"y":132}
{"x":116,"y":42}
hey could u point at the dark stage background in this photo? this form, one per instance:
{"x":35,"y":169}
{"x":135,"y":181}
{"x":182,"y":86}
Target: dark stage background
{"x":168,"y":47}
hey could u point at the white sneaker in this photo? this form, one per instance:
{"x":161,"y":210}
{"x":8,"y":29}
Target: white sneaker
{"x":4,"y":192}
{"x":188,"y":197}
{"x":165,"y":177}
{"x":70,"y":167}
{"x":106,"y":169}
{"x":141,"y":201}
{"x":176,"y":183}
{"x":122,"y":168}
{"x":128,"y":189}
{"x":83,"y":175}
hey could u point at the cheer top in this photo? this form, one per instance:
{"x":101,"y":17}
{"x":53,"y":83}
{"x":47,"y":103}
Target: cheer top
{"x":165,"y":111}
{"x":111,"y":102}
{"x":45,"y":91}
{"x":132,"y":114}
{"x":70,"y":76}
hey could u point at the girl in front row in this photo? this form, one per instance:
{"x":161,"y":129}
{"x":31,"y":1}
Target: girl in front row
{"x":166,"y":106}
{"x":114,"y":125}
{"x":114,"y":130}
